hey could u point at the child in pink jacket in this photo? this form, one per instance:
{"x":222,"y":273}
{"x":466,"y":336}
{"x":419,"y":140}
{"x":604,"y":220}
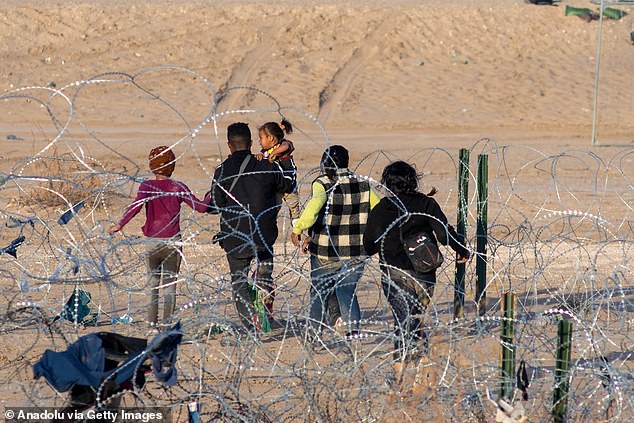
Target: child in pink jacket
{"x":162,"y":198}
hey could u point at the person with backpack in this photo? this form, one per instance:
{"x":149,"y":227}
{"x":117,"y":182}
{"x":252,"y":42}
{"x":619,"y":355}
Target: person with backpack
{"x":245,"y":192}
{"x":405,"y":228}
{"x":335,"y":218}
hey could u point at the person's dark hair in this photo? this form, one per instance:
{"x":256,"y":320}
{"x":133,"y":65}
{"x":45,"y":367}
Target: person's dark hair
{"x":335,"y":157}
{"x":401,"y":177}
{"x":239,"y":135}
{"x":277,"y":129}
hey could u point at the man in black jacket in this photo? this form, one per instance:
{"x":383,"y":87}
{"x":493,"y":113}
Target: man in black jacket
{"x":246,"y":192}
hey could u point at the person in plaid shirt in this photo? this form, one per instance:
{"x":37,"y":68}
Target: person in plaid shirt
{"x":335,"y":218}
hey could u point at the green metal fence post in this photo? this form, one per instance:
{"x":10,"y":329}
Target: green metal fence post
{"x":481,"y":233}
{"x":562,"y":365}
{"x":508,"y":346}
{"x":461,"y":229}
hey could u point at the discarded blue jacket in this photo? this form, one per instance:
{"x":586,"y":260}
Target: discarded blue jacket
{"x":83,"y":362}
{"x":162,"y":351}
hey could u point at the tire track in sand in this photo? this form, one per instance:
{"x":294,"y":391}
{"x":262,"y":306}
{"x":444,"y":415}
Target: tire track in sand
{"x":245,"y":72}
{"x":334,"y":94}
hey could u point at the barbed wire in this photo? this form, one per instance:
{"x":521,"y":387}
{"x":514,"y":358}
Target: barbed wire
{"x":560,"y":237}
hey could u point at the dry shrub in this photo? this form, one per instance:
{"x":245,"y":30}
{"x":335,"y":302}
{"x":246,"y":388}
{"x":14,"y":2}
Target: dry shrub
{"x":65,"y":178}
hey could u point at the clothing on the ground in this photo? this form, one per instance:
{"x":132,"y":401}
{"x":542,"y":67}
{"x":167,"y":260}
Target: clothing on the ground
{"x":239,"y":268}
{"x":392,"y":212}
{"x":337,"y":231}
{"x":162,"y":351}
{"x":248,"y":214}
{"x":162,"y":199}
{"x":163,"y":262}
{"x":334,"y":278}
{"x":84,"y":361}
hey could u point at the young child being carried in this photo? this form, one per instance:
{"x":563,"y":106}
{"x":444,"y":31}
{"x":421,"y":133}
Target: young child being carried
{"x":276,"y":148}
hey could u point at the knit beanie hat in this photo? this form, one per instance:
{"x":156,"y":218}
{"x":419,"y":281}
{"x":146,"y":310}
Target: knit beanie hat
{"x":162,"y":161}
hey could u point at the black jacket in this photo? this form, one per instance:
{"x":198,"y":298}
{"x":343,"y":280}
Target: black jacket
{"x":248,"y":214}
{"x":389,"y":210}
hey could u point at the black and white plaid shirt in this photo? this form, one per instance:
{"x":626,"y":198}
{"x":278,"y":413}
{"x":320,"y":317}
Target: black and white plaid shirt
{"x":338,"y":231}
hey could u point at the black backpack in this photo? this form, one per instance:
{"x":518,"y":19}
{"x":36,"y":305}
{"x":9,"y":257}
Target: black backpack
{"x":422,"y":251}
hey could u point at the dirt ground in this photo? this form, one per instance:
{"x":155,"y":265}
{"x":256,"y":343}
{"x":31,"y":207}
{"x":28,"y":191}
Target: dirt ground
{"x":89,"y":87}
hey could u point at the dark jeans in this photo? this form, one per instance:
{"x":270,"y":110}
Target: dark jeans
{"x":163,"y":262}
{"x":239,"y":267}
{"x":334,"y":283}
{"x":408,"y":294}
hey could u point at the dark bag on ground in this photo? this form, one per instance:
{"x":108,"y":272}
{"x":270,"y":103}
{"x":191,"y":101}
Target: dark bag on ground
{"x":422,"y":252}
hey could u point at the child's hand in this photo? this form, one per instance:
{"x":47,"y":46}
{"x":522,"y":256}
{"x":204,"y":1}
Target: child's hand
{"x":460,"y":259}
{"x":113,"y":229}
{"x":259,"y":156}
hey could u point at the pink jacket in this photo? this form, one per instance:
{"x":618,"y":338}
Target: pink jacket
{"x":162,"y":199}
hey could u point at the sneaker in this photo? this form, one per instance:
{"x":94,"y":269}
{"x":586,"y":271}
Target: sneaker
{"x":353,"y":334}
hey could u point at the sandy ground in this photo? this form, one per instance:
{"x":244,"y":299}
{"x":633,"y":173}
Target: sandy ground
{"x":454,"y":65}
{"x":386,"y":79}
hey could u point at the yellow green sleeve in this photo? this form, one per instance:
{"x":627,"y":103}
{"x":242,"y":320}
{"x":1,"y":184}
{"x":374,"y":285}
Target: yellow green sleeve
{"x":312,"y":209}
{"x":374,"y":199}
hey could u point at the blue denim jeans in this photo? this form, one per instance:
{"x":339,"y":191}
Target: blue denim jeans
{"x":334,"y":279}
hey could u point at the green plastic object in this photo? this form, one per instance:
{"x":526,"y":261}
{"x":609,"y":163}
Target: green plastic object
{"x":261,"y":318}
{"x":76,"y":308}
{"x":612,"y":13}
{"x":608,"y":12}
{"x":578,"y":11}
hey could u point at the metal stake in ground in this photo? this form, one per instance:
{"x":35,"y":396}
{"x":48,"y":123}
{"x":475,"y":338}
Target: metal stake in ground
{"x":508,"y":346}
{"x":461,"y":229}
{"x":481,"y":233}
{"x":562,"y":365}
